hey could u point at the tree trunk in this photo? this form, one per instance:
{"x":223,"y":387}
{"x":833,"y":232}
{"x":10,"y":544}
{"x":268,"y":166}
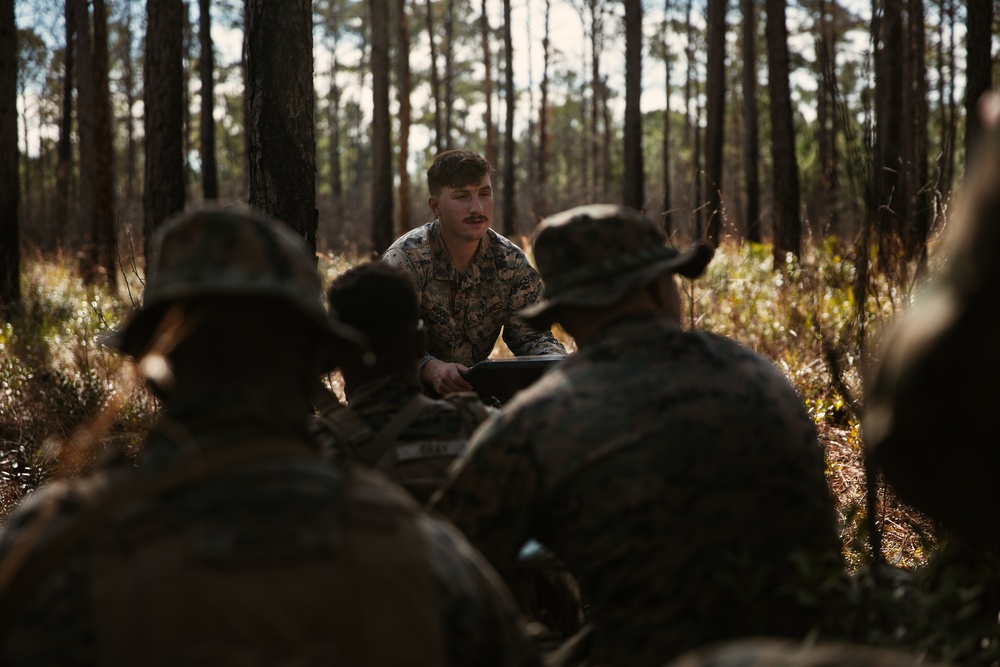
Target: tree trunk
{"x":491,"y":135}
{"x":403,"y":84}
{"x":715,"y":89}
{"x":103,"y":234}
{"x":917,"y":110}
{"x":280,"y":105}
{"x":10,"y":246}
{"x":130,"y":99}
{"x":206,"y":69}
{"x":787,"y":221}
{"x":633,"y":188}
{"x":978,"y":68}
{"x":751,"y":138}
{"x":596,"y":31}
{"x":666,"y":204}
{"x":449,"y":72}
{"x":509,"y":186}
{"x":85,"y":113}
{"x":163,"y":99}
{"x":439,"y":140}
{"x":64,"y":169}
{"x":890,"y":186}
{"x":381,"y":186}
{"x":542,"y":202}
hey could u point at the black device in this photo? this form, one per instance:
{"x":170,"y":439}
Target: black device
{"x":497,"y":380}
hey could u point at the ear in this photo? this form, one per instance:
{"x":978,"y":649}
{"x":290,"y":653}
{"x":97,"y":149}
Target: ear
{"x":432,"y":202}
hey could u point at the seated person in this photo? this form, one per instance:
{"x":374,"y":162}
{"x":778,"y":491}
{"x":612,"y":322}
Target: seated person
{"x":471,"y":280}
{"x":676,"y":473}
{"x":389,"y":423}
{"x":230,"y":541}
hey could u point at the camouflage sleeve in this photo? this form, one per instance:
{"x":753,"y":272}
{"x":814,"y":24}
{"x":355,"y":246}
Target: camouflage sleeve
{"x":483,"y":623}
{"x":492,"y":491}
{"x":522,"y":339}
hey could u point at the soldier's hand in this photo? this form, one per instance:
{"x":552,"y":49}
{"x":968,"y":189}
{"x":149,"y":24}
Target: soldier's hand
{"x":445,"y":377}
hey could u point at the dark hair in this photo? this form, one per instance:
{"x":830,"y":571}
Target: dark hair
{"x":377,"y":298}
{"x":456,"y":169}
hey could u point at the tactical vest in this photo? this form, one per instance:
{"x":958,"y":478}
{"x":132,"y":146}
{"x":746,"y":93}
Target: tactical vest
{"x":234,"y":587}
{"x":419,"y":466}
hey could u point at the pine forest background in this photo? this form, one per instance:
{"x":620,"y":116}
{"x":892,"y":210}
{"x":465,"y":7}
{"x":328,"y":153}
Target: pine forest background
{"x":817,"y":143}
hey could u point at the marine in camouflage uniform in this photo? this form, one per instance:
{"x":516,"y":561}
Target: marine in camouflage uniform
{"x":676,"y":473}
{"x":230,"y":541}
{"x":471,"y":280}
{"x":380,"y":301}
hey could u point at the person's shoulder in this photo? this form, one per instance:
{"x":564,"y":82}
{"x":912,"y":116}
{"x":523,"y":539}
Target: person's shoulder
{"x":415,"y":238}
{"x":504,"y":246}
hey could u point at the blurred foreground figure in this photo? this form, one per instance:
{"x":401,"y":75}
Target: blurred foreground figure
{"x":676,"y":473}
{"x":231,"y":542}
{"x":930,"y":418}
{"x":389,"y":423}
{"x":777,"y":653}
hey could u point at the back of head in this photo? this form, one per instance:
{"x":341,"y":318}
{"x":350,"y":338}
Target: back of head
{"x":456,"y":169}
{"x":215,"y":262}
{"x":380,"y":301}
{"x":595,"y":255}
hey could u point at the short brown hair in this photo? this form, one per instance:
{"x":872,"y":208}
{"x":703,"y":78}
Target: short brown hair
{"x":456,"y":169}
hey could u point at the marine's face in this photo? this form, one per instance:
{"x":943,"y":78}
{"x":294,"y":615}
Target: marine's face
{"x":466,"y":213}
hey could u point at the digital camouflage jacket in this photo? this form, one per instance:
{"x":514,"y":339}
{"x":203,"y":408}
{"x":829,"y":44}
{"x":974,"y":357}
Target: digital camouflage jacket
{"x":464,"y":314}
{"x":256,"y":553}
{"x":678,"y":476}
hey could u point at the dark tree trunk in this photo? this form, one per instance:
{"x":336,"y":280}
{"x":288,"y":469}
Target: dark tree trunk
{"x":541,"y":202}
{"x":206,"y":70}
{"x":130,"y":99}
{"x":509,"y":186}
{"x":163,"y":99}
{"x":64,"y":169}
{"x":381,"y":186}
{"x":85,"y":113}
{"x":491,"y":135}
{"x":751,"y":138}
{"x":280,"y":105}
{"x":787,"y":221}
{"x":439,"y":139}
{"x":891,"y":186}
{"x":633,"y":188}
{"x":978,"y":68}
{"x":666,"y":150}
{"x":449,"y":72}
{"x":917,"y":114}
{"x":403,"y":84}
{"x":715,"y":88}
{"x":10,"y":246}
{"x":103,"y":236}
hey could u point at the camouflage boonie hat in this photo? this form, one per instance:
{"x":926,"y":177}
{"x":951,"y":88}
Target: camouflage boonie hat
{"x":213,"y":252}
{"x":594,"y":255}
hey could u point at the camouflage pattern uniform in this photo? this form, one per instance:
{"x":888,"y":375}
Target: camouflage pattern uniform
{"x":377,"y":402}
{"x":464,"y":314}
{"x":778,"y":653}
{"x":678,"y":476}
{"x":249,"y":537}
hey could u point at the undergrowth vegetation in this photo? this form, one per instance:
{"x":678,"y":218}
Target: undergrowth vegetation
{"x":65,"y":399}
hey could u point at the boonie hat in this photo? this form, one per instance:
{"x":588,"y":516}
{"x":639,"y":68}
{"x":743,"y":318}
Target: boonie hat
{"x":215,"y":251}
{"x":596,"y":254}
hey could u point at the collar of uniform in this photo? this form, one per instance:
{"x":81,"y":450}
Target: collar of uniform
{"x":444,"y":268}
{"x":630,"y":327}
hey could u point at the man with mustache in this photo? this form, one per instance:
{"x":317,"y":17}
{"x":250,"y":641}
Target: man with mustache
{"x":471,"y":280}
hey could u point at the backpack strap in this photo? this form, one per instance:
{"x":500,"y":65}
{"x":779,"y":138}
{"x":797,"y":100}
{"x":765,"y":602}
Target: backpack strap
{"x":388,"y":435}
{"x":24,"y":569}
{"x":350,"y":430}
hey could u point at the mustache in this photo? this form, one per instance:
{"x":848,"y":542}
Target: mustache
{"x":476,"y":218}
